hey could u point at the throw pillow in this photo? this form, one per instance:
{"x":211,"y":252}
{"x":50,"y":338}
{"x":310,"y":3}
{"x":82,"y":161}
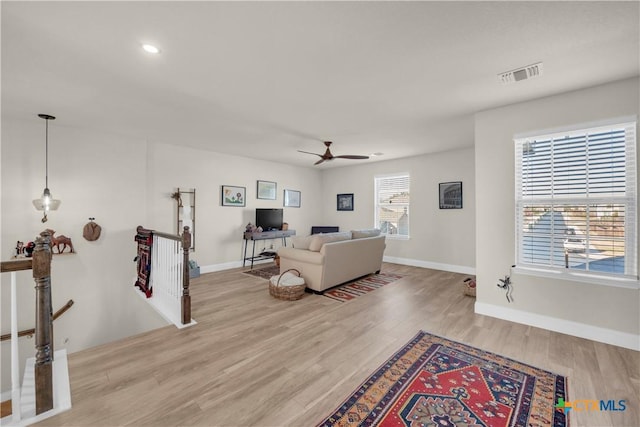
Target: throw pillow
{"x":359,"y":234}
{"x":301,"y":242}
{"x":318,"y":240}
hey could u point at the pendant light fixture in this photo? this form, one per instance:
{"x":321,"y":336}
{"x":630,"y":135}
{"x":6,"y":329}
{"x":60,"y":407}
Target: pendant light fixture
{"x":46,"y":203}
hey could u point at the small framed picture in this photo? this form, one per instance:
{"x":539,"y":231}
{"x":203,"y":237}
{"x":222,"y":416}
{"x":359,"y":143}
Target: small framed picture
{"x":292,"y":198}
{"x":233,"y":196}
{"x":267,"y":190}
{"x":451,"y":195}
{"x":345,"y":202}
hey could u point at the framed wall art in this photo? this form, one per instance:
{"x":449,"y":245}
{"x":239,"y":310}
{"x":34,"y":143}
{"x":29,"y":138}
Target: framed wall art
{"x":233,"y":196}
{"x":292,"y":198}
{"x":267,"y":190}
{"x":451,"y":195}
{"x":345,"y":202}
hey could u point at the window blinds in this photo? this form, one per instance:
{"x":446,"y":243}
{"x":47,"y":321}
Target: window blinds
{"x":392,"y":204}
{"x":576,"y":199}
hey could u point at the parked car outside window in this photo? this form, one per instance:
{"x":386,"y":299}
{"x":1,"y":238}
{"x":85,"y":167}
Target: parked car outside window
{"x":573,"y":242}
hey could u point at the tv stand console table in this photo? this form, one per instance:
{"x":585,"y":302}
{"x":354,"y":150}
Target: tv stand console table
{"x":264,"y":235}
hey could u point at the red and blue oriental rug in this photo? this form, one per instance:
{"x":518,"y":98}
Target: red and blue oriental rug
{"x":433,"y":381}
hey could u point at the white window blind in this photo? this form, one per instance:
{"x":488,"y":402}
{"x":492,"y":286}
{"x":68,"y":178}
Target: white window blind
{"x":576,"y":200}
{"x":392,"y":205}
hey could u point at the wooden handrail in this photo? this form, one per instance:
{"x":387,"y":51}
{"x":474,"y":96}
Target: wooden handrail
{"x":32,"y":331}
{"x":16,"y":265}
{"x":175,"y":237}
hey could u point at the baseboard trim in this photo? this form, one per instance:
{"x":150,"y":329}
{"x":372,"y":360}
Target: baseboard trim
{"x":229,"y":265}
{"x":395,"y":260}
{"x":433,"y":265}
{"x":582,"y":330}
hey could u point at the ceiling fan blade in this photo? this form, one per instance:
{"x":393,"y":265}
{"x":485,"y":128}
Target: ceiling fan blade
{"x":351,"y":157}
{"x":307,"y":152}
{"x":319,"y":161}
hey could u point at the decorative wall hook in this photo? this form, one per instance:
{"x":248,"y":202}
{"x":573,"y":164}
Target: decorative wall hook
{"x":91,"y":230}
{"x":507,"y":286}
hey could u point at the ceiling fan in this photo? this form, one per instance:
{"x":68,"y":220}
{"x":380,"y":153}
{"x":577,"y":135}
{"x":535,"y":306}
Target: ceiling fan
{"x":328,"y":156}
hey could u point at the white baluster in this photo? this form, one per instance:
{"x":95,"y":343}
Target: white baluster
{"x":15,"y":361}
{"x":167,"y":274}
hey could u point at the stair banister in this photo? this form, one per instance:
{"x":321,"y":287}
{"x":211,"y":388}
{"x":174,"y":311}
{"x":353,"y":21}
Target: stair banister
{"x":186,"y":298}
{"x":163,"y":273}
{"x":44,"y":348}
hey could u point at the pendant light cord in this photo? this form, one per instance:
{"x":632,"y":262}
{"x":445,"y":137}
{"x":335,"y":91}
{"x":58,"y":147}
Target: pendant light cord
{"x":46,"y":154}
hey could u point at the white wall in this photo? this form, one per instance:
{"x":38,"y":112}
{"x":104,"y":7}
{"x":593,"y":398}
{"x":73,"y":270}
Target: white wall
{"x":594,"y":311}
{"x":219,"y":228}
{"x":95,"y":176}
{"x":439,"y":238}
{"x":123,"y":183}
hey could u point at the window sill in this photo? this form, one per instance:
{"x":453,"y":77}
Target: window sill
{"x":574,"y":276}
{"x":396,"y":237}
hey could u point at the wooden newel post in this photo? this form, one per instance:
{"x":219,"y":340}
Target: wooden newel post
{"x":44,"y":351}
{"x":186,"y":298}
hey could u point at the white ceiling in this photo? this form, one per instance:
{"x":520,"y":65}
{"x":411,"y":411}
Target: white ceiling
{"x":264,"y":79}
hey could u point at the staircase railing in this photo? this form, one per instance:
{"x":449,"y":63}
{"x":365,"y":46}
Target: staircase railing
{"x":40,"y":264}
{"x":163,"y":272}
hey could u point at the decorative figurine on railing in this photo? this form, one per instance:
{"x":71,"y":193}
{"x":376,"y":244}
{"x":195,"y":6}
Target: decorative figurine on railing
{"x":19,"y":249}
{"x":60,"y":240}
{"x":23,"y":250}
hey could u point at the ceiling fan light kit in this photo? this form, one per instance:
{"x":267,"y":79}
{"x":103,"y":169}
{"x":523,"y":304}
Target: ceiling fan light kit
{"x":328,"y":156}
{"x":46,"y":202}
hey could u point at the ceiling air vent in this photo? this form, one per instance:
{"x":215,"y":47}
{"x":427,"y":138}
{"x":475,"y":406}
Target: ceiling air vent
{"x":524,"y":73}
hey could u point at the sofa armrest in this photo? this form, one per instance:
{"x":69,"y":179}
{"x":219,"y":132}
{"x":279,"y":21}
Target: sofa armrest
{"x":301,"y":255}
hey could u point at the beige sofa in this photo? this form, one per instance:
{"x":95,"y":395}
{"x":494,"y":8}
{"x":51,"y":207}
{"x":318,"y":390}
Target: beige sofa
{"x":327,"y":260}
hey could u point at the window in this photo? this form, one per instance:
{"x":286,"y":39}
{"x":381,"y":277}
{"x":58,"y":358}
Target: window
{"x":576,"y":200}
{"x":392,"y":205}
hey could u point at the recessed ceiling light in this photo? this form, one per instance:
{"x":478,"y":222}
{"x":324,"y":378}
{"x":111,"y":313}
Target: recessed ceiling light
{"x":376,"y":154}
{"x":150,"y":48}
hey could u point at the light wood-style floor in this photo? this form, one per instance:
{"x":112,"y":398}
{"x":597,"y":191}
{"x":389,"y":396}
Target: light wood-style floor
{"x":253,"y":360}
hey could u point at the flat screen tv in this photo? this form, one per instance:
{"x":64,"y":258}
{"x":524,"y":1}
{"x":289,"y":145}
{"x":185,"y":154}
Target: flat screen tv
{"x":269,"y":219}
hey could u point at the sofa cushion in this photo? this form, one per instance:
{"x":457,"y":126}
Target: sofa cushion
{"x":359,"y":234}
{"x":301,"y":242}
{"x":299,"y":256}
{"x":318,"y":240}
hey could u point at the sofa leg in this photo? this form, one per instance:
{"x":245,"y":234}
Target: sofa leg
{"x":313,"y":291}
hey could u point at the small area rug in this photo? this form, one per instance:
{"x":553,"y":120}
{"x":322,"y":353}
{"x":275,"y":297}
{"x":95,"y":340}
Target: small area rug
{"x":342,"y":293}
{"x":349,"y":291}
{"x":433,"y":381}
{"x":265,"y":272}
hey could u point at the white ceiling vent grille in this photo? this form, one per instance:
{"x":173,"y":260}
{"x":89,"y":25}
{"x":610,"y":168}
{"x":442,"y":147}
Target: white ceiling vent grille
{"x":524,"y":73}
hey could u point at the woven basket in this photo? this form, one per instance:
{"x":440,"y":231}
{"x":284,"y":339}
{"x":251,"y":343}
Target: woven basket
{"x":287,"y":293}
{"x":468,"y":289}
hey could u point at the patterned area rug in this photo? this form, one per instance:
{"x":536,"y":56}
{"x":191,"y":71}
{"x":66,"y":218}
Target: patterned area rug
{"x":433,"y":381}
{"x":349,"y":291}
{"x":265,"y":272}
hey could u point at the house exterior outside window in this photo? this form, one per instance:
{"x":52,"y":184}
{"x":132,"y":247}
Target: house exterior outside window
{"x":392,"y":205}
{"x":576,"y":200}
